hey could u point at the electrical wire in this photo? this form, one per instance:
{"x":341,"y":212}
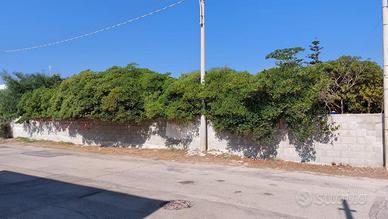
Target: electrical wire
{"x":96,"y":31}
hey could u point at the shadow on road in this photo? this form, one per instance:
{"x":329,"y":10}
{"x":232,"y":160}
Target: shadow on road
{"x":347,"y":210}
{"x":25,"y":196}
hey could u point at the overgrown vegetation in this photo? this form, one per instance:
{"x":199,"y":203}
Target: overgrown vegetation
{"x":297,"y":93}
{"x":19,"y":84}
{"x":355,"y":86}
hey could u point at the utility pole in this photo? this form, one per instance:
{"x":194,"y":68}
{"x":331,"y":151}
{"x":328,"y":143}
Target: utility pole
{"x":385,"y":40}
{"x":203,"y":126}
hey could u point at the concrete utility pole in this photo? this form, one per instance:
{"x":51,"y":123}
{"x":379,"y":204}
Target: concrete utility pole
{"x":203,"y":127}
{"x":385,"y":37}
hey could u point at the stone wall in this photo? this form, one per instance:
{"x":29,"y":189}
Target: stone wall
{"x":358,"y":142}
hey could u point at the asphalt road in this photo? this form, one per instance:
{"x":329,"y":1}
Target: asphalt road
{"x":50,"y":183}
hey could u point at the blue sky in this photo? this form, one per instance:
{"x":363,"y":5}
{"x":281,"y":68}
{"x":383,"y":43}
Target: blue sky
{"x":239,"y":33}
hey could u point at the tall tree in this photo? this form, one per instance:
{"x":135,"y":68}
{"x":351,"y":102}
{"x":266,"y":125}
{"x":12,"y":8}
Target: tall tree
{"x":316,"y":50}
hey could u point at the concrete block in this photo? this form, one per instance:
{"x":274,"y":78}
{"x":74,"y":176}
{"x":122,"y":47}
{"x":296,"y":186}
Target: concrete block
{"x":361,"y":140}
{"x":368,"y":148}
{"x":373,"y":156}
{"x":370,"y":139}
{"x":348,"y":140}
{"x":371,"y":132}
{"x":347,"y":154}
{"x":361,"y":132}
{"x":377,"y":149}
{"x":332,"y":154}
{"x":379,"y":133}
{"x":356,"y":147}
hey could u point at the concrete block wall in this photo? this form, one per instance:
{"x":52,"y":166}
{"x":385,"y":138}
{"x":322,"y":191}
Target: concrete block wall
{"x":358,"y":141}
{"x":152,"y":135}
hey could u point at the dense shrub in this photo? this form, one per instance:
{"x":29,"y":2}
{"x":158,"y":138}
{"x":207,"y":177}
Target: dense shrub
{"x":251,"y":105}
{"x":227,"y":93}
{"x":294,"y":94}
{"x":182,"y":98}
{"x":117,"y":94}
{"x":35,"y":104}
{"x":19,"y":84}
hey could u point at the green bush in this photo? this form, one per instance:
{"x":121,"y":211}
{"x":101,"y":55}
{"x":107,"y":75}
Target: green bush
{"x":227,"y":93}
{"x":181,"y":100}
{"x":35,"y":104}
{"x":254,"y":105}
{"x":117,"y":94}
{"x":19,"y":84}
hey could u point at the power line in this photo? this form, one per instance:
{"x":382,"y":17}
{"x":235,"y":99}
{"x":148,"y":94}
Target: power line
{"x":96,"y":31}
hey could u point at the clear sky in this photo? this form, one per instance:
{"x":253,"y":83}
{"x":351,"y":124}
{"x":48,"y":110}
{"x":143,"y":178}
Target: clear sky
{"x":239,"y":33}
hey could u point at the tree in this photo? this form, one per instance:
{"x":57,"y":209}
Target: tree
{"x":286,"y":57}
{"x":17,"y":85}
{"x":316,"y":49}
{"x":355,"y":86}
{"x":372,"y":95}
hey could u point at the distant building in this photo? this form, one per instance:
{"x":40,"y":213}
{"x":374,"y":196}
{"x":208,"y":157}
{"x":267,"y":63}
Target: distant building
{"x":2,"y":86}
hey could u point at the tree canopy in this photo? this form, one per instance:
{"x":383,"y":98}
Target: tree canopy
{"x":355,"y":86}
{"x":19,"y":84}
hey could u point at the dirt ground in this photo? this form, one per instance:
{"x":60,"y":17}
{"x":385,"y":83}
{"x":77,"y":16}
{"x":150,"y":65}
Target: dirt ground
{"x":224,"y":159}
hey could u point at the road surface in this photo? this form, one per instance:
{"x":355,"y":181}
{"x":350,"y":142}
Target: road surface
{"x":37,"y":182}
